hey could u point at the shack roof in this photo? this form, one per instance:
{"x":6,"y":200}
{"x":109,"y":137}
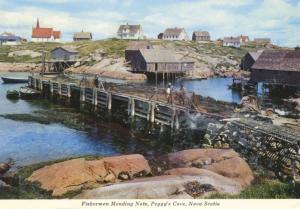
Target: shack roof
{"x":255,"y":55}
{"x":281,"y":60}
{"x":133,"y":29}
{"x":83,"y":35}
{"x":159,"y":55}
{"x":173,"y":31}
{"x":231,"y":39}
{"x":201,"y":33}
{"x":66,"y":48}
{"x":136,"y":45}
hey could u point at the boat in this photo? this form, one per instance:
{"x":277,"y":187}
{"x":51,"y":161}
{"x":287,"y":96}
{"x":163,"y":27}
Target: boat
{"x":12,"y":94}
{"x":14,"y":80}
{"x":29,"y":93}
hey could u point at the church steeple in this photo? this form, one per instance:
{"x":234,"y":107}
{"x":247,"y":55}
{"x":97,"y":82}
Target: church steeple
{"x":38,"y":23}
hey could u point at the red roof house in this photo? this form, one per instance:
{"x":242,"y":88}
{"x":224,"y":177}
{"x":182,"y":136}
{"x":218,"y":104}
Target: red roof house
{"x":45,"y":34}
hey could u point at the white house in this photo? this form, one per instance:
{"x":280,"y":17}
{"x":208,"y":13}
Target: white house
{"x":44,"y":34}
{"x":10,"y":39}
{"x":130,"y":32}
{"x":232,"y":41}
{"x":174,"y":34}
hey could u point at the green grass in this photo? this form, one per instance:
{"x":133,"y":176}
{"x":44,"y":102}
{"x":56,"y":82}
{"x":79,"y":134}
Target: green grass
{"x":268,"y":189}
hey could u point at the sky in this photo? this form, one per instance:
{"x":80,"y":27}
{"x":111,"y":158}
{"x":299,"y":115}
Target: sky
{"x":277,"y":19}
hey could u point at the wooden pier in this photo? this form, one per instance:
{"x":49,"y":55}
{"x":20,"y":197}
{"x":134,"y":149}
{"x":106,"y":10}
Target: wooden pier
{"x":152,"y":110}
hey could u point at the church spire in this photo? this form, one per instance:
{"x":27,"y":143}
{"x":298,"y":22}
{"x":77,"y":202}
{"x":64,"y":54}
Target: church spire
{"x":38,"y":23}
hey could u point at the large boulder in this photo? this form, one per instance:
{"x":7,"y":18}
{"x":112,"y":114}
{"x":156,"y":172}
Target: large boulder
{"x":225,"y":162}
{"x":76,"y":174}
{"x":235,"y":168}
{"x":165,"y":187}
{"x":198,"y":157}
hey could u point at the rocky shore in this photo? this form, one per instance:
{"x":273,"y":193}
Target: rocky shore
{"x":194,"y":173}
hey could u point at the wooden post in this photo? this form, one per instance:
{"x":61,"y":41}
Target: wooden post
{"x":132,"y":107}
{"x":82,"y":94}
{"x":59,"y":88}
{"x":109,"y":101}
{"x":41,"y":85}
{"x":69,"y":90}
{"x":51,"y":87}
{"x":95,"y":97}
{"x":152,"y":113}
{"x":34,"y":83}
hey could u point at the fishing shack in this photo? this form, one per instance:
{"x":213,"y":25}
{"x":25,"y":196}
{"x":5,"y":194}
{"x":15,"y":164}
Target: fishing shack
{"x":159,"y":61}
{"x":249,"y":59}
{"x":61,"y":58}
{"x":133,"y":48}
{"x":280,"y":67}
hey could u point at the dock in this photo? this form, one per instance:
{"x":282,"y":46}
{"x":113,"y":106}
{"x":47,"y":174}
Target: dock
{"x":149,"y":106}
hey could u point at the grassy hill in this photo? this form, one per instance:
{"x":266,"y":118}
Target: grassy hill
{"x":209,"y":56}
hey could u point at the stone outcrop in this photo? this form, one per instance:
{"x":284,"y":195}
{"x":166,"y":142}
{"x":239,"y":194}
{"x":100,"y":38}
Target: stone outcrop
{"x":76,"y":174}
{"x":166,"y":187}
{"x":225,"y":162}
{"x":199,"y":157}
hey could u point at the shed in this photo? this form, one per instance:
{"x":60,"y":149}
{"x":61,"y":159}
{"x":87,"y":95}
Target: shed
{"x":134,"y":47}
{"x":277,"y":67}
{"x":159,"y":61}
{"x":201,"y":36}
{"x":64,"y":53}
{"x":83,"y":36}
{"x":249,"y":59}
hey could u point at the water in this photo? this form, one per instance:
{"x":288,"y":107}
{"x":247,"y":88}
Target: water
{"x":216,"y":88}
{"x":32,"y":142}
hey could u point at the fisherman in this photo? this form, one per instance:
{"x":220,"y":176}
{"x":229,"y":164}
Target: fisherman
{"x":182,"y":93}
{"x":169,"y":93}
{"x":97,"y":81}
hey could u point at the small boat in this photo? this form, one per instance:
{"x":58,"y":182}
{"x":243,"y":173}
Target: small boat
{"x":29,"y":93}
{"x":12,"y":94}
{"x":14,"y":80}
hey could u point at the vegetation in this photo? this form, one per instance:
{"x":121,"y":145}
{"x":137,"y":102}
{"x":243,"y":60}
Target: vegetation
{"x":268,"y":189}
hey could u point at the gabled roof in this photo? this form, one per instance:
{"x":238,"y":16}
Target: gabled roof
{"x":10,"y":38}
{"x":83,"y":35}
{"x":56,"y":34}
{"x":282,"y":60}
{"x":136,"y":45}
{"x":7,"y":34}
{"x":244,"y":38}
{"x":66,"y":48}
{"x":201,"y":33}
{"x":42,"y":32}
{"x":255,"y":55}
{"x":231,"y":40}
{"x":131,"y":28}
{"x":173,"y":31}
{"x":158,"y":55}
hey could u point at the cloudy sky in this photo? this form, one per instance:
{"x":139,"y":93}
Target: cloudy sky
{"x":278,"y":19}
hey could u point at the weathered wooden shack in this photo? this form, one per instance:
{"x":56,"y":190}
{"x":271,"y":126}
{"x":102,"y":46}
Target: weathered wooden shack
{"x":134,"y":47}
{"x":201,"y":36}
{"x":249,"y":59}
{"x":277,"y":67}
{"x":82,"y":36}
{"x":159,"y":61}
{"x":64,"y":53}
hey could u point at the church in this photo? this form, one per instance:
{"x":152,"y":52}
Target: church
{"x":40,"y":34}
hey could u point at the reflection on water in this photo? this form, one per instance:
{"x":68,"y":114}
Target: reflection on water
{"x":32,"y":142}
